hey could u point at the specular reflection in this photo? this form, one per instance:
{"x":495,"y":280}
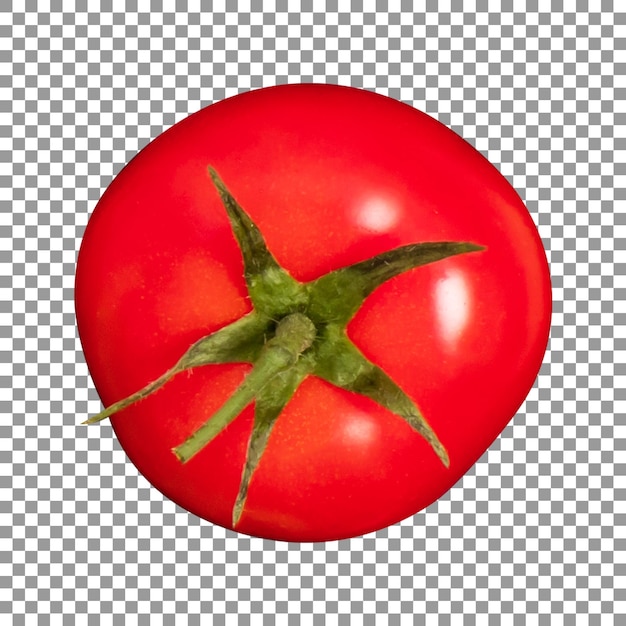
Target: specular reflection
{"x":452,"y":302}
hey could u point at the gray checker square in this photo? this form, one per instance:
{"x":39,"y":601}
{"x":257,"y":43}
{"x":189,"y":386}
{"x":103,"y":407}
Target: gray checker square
{"x":534,"y":533}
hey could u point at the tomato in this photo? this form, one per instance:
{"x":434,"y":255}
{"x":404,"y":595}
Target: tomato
{"x":325,"y":178}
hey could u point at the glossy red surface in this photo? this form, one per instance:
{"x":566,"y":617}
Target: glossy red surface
{"x":331,"y":176}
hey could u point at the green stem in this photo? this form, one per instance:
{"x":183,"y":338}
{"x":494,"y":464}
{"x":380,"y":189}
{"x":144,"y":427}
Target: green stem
{"x":294,"y":334}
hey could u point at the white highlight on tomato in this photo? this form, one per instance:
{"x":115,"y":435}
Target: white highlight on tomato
{"x":377,"y":215}
{"x":452,"y":300}
{"x":359,"y":428}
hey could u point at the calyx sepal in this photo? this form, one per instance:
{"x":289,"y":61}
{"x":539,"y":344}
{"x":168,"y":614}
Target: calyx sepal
{"x":295,"y":330}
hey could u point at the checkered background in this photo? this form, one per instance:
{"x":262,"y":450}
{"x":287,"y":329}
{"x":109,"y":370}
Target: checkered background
{"x":534,"y":533}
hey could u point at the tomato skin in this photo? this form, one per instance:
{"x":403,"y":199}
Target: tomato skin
{"x":331,"y":175}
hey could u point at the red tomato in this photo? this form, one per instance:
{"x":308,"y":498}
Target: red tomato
{"x":331,"y":176}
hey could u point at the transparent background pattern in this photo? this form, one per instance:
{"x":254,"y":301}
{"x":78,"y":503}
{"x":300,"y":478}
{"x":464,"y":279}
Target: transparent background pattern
{"x":534,"y":533}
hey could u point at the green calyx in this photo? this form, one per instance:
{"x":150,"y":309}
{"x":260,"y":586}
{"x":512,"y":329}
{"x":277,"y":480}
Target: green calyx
{"x":295,"y":330}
